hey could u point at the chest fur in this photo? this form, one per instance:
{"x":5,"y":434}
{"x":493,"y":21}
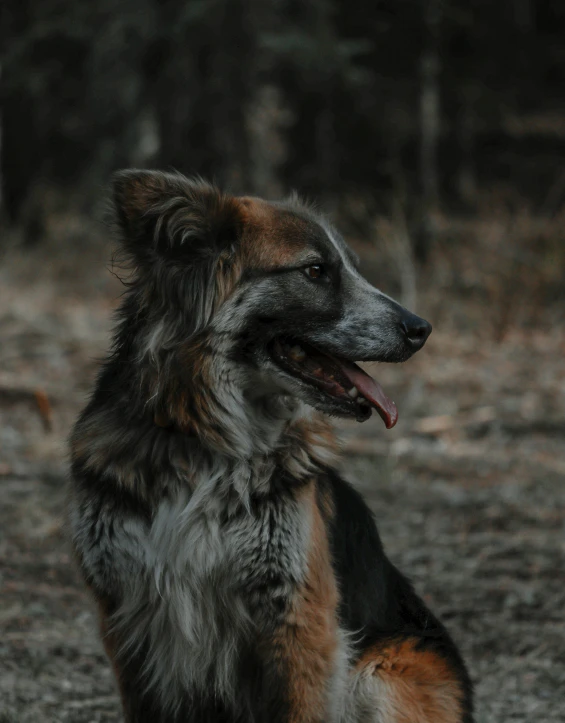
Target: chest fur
{"x":219,"y":570}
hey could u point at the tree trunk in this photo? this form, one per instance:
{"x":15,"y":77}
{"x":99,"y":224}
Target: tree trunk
{"x":430,"y":67}
{"x":466,"y":172}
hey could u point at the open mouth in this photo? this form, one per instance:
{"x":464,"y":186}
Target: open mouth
{"x":344,"y":382}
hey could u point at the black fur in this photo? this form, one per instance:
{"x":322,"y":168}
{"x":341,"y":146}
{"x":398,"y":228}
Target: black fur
{"x":377,"y":601}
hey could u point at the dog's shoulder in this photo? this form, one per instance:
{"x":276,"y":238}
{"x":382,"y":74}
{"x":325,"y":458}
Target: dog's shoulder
{"x":374,"y":596}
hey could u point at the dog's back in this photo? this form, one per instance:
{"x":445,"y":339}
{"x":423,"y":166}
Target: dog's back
{"x":237,"y":576}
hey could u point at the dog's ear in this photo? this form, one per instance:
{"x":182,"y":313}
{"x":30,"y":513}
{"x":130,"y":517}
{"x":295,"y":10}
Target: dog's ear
{"x":168,"y":215}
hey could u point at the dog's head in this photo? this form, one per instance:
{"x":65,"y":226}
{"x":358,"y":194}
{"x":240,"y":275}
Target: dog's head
{"x":269,"y":289}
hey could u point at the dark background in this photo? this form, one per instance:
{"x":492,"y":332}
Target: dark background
{"x":435,"y":114}
{"x":433,"y":133}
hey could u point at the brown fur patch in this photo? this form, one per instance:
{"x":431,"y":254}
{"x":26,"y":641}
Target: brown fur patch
{"x":308,"y":442}
{"x":305,"y":644}
{"x":189,"y":395}
{"x":273,"y":238}
{"x":318,"y":435}
{"x":91,"y":444}
{"x":415,"y":686}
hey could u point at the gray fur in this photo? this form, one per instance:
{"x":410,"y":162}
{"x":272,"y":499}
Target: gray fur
{"x":189,"y":580}
{"x":204,"y":578}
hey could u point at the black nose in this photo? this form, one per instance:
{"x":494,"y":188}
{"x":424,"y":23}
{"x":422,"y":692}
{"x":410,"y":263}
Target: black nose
{"x":415,"y":330}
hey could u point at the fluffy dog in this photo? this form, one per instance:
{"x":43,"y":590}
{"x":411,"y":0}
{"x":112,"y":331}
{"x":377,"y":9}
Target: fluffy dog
{"x":237,"y":576}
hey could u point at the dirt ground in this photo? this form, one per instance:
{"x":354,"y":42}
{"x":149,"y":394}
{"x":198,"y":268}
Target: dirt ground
{"x":468,"y":491}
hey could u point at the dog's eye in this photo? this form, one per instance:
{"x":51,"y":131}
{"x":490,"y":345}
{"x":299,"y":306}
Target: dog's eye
{"x":316,"y":271}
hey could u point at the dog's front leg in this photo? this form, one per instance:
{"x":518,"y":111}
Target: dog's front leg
{"x":306,"y":643}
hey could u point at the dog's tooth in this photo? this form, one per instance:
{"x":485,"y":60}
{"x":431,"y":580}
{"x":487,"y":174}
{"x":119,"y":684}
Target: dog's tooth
{"x":297,"y":353}
{"x":362,"y":400}
{"x":353,"y":393}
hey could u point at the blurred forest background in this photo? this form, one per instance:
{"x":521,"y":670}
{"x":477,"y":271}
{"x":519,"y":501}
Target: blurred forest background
{"x":444,"y":117}
{"x":433,"y":132}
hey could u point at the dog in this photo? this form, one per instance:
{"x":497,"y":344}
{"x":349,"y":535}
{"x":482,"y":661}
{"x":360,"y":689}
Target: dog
{"x":238,"y":577}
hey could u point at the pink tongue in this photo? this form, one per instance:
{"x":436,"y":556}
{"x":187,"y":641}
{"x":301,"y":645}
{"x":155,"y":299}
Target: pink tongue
{"x":372,"y":391}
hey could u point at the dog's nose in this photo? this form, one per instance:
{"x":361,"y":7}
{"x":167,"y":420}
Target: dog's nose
{"x":415,"y":330}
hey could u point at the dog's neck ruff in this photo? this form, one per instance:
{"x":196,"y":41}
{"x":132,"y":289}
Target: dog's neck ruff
{"x":203,"y":395}
{"x":241,"y":442}
{"x":272,"y":432}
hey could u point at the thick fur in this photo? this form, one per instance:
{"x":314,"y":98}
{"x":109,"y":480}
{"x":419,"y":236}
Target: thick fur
{"x":238,"y":577}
